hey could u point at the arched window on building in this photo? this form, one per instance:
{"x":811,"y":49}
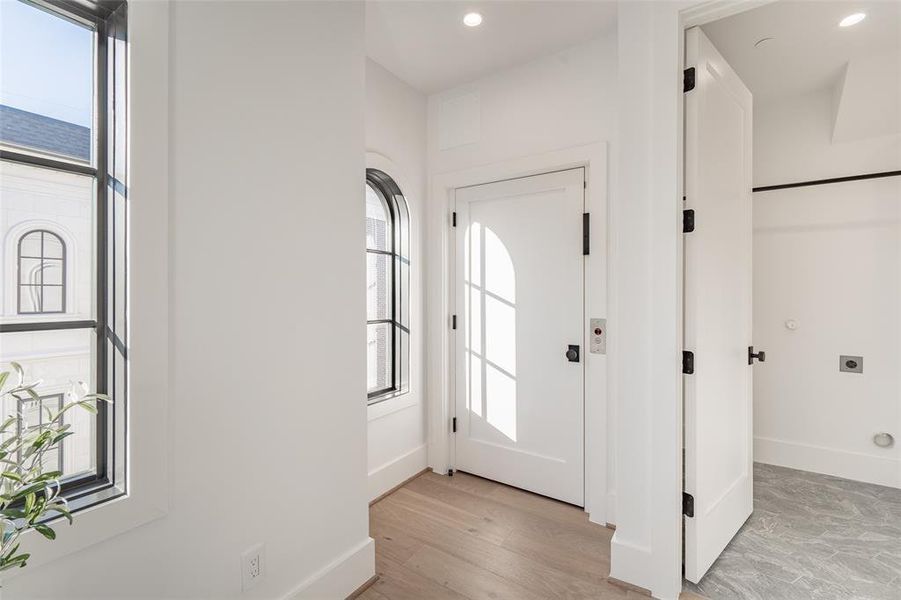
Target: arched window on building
{"x":387,"y":287}
{"x":42,"y":273}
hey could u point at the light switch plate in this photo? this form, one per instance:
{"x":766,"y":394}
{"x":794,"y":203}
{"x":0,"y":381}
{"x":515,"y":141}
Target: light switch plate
{"x":597,"y":336}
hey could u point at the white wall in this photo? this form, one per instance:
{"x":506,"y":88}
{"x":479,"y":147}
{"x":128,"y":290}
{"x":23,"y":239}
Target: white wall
{"x":267,"y":428}
{"x":396,"y":144}
{"x":828,"y":257}
{"x":793,"y":142}
{"x":560,"y":101}
{"x":520,"y":115}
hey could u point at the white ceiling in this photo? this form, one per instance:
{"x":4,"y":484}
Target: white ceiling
{"x":809,"y":51}
{"x":426,"y":44}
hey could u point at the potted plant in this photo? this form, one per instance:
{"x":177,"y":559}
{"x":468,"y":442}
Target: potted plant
{"x":29,"y":494}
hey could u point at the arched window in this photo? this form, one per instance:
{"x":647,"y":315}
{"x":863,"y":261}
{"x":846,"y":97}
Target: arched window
{"x":387,"y":287}
{"x":42,"y":273}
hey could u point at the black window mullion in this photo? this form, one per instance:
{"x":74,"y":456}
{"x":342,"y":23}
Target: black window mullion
{"x":47,"y":163}
{"x":41,"y":277}
{"x":392,"y":227}
{"x":47,"y":326}
{"x":101,"y":156}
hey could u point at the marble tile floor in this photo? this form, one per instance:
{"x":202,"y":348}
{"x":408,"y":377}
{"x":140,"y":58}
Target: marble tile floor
{"x":811,"y":537}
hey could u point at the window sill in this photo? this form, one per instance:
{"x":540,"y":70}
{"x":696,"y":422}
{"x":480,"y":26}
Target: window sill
{"x":390,"y":403}
{"x":99,"y":522}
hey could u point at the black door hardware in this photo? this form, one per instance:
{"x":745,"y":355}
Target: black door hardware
{"x":761,"y":356}
{"x":572,"y":355}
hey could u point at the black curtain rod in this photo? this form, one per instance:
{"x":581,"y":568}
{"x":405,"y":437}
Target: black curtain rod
{"x":783,"y":186}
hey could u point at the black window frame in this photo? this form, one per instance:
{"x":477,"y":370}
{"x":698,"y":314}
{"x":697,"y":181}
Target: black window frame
{"x":108,"y":20}
{"x":41,"y":285}
{"x":398,"y":231}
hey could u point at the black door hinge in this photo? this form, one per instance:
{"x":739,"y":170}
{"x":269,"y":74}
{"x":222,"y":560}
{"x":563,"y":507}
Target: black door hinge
{"x":688,"y":362}
{"x":454,"y":219}
{"x":688,"y":220}
{"x":454,"y":425}
{"x":688,"y":79}
{"x":453,"y":321}
{"x":586,"y":234}
{"x":688,"y":504}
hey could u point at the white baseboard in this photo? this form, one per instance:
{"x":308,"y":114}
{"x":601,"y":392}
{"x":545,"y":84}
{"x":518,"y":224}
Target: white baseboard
{"x":829,"y":461}
{"x":629,"y":563}
{"x":395,"y":472}
{"x":340,"y":578}
{"x":634,"y":565}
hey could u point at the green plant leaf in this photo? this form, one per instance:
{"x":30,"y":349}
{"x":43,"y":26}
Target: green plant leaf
{"x":61,"y":436}
{"x":45,"y":530}
{"x":3,"y":377}
{"x":15,"y":561}
{"x":99,"y":398}
{"x":11,"y":475}
{"x":63,"y":511}
{"x":34,"y":395}
{"x":48,"y":476}
{"x":88,"y":406}
{"x":28,"y":489}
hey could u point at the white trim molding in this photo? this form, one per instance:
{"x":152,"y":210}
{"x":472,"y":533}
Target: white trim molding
{"x":881,"y":470}
{"x":341,"y":577}
{"x":387,"y":476}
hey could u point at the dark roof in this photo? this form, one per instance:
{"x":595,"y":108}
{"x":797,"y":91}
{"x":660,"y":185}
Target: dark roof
{"x":37,"y":132}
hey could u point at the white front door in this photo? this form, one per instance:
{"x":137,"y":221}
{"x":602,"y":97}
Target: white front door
{"x":519,"y":306}
{"x":718,"y":398}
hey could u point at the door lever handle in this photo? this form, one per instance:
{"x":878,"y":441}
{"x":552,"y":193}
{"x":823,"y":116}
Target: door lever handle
{"x":572,"y":354}
{"x":760,"y":355}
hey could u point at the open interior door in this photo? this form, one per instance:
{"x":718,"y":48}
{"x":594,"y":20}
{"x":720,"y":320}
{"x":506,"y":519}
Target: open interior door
{"x":717,"y":304}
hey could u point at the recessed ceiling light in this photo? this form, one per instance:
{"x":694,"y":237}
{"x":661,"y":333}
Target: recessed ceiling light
{"x":852,"y":19}
{"x":472,"y":19}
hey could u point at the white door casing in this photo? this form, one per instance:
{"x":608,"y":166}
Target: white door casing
{"x":717,"y":305}
{"x":519,"y":303}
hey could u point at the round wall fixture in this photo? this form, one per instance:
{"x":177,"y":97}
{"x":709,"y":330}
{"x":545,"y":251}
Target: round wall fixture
{"x":792,"y":324}
{"x":884,"y":440}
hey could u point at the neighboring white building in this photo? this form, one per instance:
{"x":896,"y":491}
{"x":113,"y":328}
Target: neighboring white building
{"x":47,"y":260}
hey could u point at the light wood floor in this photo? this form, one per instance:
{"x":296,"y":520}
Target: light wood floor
{"x":464,"y":537}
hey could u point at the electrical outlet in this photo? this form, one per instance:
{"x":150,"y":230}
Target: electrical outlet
{"x":252,"y":566}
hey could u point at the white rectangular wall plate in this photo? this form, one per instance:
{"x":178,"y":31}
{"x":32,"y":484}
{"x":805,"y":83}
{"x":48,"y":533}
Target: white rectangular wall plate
{"x":253,"y":564}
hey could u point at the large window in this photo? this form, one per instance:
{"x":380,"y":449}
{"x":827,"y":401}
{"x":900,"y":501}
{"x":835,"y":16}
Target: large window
{"x":387,"y":287}
{"x":64,"y":226}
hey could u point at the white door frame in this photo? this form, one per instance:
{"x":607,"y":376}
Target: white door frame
{"x":647,"y":546}
{"x":440,"y":299}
